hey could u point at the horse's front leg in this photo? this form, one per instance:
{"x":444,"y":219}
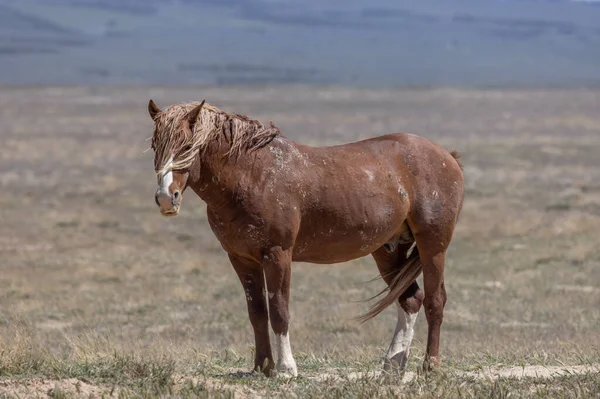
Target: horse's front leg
{"x":277,"y":266}
{"x":253,"y":280}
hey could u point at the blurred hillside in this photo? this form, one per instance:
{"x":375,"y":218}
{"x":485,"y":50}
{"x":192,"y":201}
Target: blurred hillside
{"x":361,"y":42}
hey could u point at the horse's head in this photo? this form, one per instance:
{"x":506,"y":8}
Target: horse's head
{"x":174,"y":152}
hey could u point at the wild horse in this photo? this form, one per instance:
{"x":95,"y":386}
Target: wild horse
{"x":271,"y":201}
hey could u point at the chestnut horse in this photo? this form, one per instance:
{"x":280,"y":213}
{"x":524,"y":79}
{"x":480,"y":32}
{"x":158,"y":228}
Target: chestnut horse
{"x":271,"y":201}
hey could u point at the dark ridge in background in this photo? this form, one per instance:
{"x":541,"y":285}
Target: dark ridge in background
{"x":379,"y":43}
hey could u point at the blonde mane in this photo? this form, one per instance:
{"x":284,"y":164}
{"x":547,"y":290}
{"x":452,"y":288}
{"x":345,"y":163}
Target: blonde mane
{"x":170,"y":143}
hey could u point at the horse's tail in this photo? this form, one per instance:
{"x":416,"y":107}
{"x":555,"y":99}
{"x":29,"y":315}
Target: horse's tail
{"x":404,"y":277}
{"x":456,"y":157}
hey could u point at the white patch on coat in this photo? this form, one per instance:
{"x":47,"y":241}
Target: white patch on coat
{"x":285,"y":361}
{"x":397,"y":353}
{"x":165,"y":178}
{"x":271,"y":295}
{"x":403,"y":193}
{"x":370,"y":175}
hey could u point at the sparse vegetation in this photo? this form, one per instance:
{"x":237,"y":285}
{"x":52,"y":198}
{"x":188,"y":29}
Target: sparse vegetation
{"x":100,"y":295}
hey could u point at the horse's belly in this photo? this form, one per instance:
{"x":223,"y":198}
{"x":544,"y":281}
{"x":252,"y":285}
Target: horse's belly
{"x":334,"y":244}
{"x":352,"y":219}
{"x":338,"y":249}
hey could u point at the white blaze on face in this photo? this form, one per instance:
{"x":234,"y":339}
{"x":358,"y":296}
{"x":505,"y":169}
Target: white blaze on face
{"x":165,"y":178}
{"x":397,"y":353}
{"x":285,"y":362}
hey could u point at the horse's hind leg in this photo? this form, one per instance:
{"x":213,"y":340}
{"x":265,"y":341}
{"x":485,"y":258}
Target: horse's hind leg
{"x":408,"y":305}
{"x":432,"y":246}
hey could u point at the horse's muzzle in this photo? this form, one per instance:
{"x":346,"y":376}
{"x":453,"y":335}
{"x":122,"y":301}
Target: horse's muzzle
{"x":168,"y":203}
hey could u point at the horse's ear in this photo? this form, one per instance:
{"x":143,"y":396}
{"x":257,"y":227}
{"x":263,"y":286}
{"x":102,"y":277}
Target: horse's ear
{"x":192,"y":116}
{"x":153,"y":109}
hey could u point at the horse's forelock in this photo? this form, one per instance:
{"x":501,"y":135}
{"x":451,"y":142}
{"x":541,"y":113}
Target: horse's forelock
{"x":169,"y":137}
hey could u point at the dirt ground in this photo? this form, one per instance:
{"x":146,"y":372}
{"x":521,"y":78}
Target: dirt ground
{"x":101,"y":295}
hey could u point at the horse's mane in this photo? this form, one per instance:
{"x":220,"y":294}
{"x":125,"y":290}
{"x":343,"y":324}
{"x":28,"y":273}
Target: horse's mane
{"x":240,"y":132}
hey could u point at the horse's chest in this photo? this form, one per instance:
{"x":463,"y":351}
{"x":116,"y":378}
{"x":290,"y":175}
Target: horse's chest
{"x":239,"y":235}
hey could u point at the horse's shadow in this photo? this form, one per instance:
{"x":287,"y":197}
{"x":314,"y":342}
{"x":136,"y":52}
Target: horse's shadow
{"x":241,"y":375}
{"x":247,"y":375}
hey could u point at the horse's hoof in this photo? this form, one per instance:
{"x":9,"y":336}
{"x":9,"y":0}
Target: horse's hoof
{"x":284,"y":375}
{"x":431,"y":363}
{"x":395,"y":364}
{"x":287,"y":371}
{"x":265,"y":368}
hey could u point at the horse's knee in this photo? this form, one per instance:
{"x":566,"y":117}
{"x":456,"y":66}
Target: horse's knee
{"x":255,"y":299}
{"x":412,"y":299}
{"x":257,"y":313}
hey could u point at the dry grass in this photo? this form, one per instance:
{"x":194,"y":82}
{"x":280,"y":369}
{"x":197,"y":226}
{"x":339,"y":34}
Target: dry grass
{"x":99,"y":291}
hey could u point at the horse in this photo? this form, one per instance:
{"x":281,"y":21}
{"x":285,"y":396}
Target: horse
{"x":272,"y":201}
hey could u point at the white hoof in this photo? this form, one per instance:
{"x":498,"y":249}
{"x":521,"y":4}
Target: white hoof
{"x":287,"y":370}
{"x":397,"y":363}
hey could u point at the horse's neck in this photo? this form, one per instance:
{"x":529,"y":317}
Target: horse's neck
{"x":217,"y":180}
{"x":216,"y":177}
